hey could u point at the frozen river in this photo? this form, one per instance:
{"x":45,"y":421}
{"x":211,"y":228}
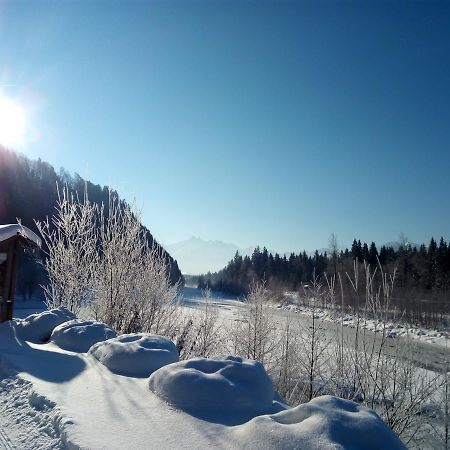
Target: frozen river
{"x":424,"y":354}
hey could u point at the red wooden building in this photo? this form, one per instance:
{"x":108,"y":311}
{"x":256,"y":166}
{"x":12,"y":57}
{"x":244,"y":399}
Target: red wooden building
{"x":13,"y":238}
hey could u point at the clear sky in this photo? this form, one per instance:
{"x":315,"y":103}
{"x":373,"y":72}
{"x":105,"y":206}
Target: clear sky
{"x":271,"y":123}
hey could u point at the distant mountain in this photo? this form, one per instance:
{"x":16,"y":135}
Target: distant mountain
{"x":196,"y":256}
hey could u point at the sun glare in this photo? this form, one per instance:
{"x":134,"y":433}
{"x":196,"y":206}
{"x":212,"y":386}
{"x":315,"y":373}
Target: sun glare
{"x":12,"y":123}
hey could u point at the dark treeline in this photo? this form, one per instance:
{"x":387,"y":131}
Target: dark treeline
{"x":28,"y":191}
{"x":422,"y":280}
{"x":278,"y":271}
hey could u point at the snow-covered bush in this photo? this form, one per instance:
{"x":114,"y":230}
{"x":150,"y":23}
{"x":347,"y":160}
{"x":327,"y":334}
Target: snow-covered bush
{"x":132,"y":285}
{"x":38,"y":327}
{"x":215,"y":386}
{"x":71,"y":238}
{"x":375,"y":369}
{"x":80,"y":335}
{"x":100,"y":259}
{"x":324,"y":422}
{"x":135,"y":355}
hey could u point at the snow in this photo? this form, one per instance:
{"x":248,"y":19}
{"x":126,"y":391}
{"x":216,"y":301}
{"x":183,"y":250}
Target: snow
{"x":229,"y":307}
{"x":392,"y":329}
{"x":38,"y":327}
{"x":324,"y":422}
{"x":51,"y":398}
{"x":215,"y":388}
{"x":10,"y":230}
{"x":80,"y":335}
{"x":29,"y":421}
{"x":135,"y":355}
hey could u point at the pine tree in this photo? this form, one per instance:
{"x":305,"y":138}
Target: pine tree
{"x":373,"y":255}
{"x":365,"y":253}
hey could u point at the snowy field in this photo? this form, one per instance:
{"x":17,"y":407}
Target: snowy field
{"x":52,"y":398}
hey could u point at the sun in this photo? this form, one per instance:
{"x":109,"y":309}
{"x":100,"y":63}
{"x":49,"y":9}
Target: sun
{"x":12,"y":123}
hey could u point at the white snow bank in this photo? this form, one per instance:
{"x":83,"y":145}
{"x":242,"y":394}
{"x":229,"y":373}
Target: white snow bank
{"x":213,"y":387}
{"x":10,"y":230}
{"x":135,"y":355}
{"x":324,"y":423}
{"x":80,"y":335}
{"x":38,"y":327}
{"x":57,"y":399}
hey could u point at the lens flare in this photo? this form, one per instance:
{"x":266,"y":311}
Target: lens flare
{"x":12,"y":123}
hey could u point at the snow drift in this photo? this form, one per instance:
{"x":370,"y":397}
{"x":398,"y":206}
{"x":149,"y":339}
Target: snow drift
{"x":135,"y":355}
{"x":325,"y":422}
{"x":80,"y":335}
{"x":215,"y":387}
{"x":38,"y":327}
{"x":48,"y":397}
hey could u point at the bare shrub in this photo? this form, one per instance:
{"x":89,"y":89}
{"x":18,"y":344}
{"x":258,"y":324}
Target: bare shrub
{"x":202,"y":333}
{"x":286,"y":362}
{"x":101,"y":261}
{"x":313,"y":344}
{"x":70,"y":237}
{"x":376,"y":368}
{"x":132,"y":285}
{"x":253,"y":333}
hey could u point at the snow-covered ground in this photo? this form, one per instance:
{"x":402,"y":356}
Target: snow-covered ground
{"x":54,"y":398}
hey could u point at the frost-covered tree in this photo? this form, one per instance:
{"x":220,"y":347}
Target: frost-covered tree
{"x":253,"y":333}
{"x":100,"y":261}
{"x":312,"y":343}
{"x":72,"y":257}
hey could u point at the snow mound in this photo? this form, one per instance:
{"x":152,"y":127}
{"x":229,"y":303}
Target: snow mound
{"x":216,"y":386}
{"x":135,"y":355}
{"x":324,"y":422}
{"x":80,"y":335}
{"x":38,"y":327}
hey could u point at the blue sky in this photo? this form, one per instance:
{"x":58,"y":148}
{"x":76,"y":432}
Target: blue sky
{"x":271,"y":123}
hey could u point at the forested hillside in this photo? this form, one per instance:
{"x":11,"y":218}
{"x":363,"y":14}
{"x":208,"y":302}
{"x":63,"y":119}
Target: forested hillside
{"x":28,"y":191}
